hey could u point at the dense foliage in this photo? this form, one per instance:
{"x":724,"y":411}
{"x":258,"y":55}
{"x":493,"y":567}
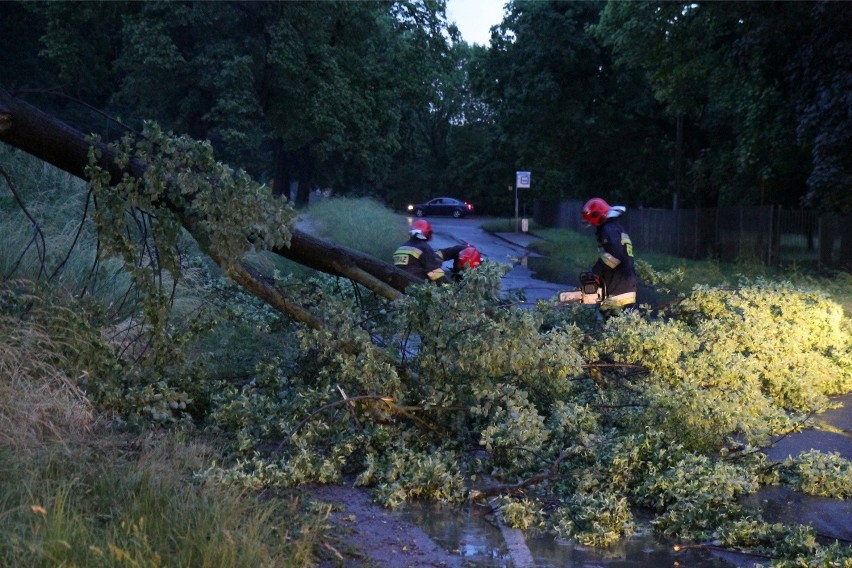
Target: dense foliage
{"x":452,"y":392}
{"x":647,"y":103}
{"x":756,"y":84}
{"x":664,"y":414}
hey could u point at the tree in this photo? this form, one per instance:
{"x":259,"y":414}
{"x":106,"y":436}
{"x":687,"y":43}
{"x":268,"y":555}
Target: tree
{"x":476,"y":169}
{"x":34,"y":132}
{"x":823,"y":79}
{"x":748,"y":77}
{"x":431,"y":85}
{"x":304,"y":93}
{"x":564,"y":112}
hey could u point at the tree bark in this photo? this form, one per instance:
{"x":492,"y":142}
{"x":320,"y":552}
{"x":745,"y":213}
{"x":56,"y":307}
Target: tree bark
{"x":27,"y":128}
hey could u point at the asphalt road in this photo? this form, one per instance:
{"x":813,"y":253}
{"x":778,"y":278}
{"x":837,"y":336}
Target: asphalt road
{"x":508,"y":248}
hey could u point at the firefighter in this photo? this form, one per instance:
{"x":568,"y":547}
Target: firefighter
{"x":614,"y":267}
{"x":468,"y":259}
{"x":417,"y":257}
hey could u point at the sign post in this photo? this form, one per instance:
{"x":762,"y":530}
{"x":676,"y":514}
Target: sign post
{"x":522,"y":181}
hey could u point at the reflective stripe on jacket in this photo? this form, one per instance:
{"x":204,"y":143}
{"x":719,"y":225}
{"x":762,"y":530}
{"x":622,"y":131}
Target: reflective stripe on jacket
{"x":417,"y":258}
{"x":615,"y":265}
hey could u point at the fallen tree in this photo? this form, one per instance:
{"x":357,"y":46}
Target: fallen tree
{"x":33,"y":131}
{"x":541,"y":408}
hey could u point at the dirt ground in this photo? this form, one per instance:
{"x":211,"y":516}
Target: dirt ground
{"x":367,"y":536}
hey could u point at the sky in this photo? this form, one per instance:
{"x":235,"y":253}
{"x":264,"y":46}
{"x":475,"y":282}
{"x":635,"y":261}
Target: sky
{"x":474,"y":18}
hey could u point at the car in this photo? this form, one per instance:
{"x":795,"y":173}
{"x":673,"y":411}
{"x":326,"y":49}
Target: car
{"x":442,"y":206}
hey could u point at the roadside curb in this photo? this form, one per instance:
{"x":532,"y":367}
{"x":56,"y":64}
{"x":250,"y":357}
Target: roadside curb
{"x":517,"y":239}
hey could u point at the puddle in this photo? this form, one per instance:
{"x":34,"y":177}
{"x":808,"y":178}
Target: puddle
{"x":545,"y":268}
{"x":471,"y":531}
{"x":830,"y":518}
{"x":464,"y":530}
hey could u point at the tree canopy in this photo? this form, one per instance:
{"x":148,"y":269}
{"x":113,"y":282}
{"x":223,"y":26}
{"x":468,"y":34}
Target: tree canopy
{"x":718,"y":102}
{"x":307,"y":93}
{"x":745,"y":75}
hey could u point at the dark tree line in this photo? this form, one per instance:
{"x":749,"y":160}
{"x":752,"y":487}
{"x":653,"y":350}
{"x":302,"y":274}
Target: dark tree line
{"x":647,"y":103}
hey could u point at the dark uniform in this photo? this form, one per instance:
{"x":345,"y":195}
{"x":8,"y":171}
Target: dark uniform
{"x":615,"y":265}
{"x":418,"y":258}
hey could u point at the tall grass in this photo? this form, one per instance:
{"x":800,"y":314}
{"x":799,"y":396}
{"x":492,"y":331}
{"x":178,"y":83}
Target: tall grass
{"x":75,"y":493}
{"x":49,"y":238}
{"x":362,"y":224}
{"x":133,"y":502}
{"x":47,"y":232}
{"x":38,"y":401}
{"x":74,"y":489}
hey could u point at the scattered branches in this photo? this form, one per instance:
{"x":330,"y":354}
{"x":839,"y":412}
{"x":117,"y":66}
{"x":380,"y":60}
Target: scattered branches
{"x":509,"y":489}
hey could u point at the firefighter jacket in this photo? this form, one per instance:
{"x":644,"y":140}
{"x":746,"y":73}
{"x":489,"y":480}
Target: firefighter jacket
{"x":615,"y":265}
{"x":418,"y":258}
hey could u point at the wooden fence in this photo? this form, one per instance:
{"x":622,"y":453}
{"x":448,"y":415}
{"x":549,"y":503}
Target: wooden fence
{"x":767,"y":234}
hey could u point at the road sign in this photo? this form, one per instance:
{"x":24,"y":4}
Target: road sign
{"x":522,"y":181}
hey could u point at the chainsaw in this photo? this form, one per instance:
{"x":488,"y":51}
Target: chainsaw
{"x":592,"y":291}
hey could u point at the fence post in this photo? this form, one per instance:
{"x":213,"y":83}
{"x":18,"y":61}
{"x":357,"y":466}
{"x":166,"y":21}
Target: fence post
{"x":845,"y":260}
{"x":776,"y":238}
{"x":741,"y":233}
{"x":826,"y":241}
{"x":677,"y":230}
{"x":697,"y":235}
{"x":771,"y":235}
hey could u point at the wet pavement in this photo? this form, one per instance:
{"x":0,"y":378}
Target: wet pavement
{"x":474,"y":533}
{"x":830,"y":518}
{"x":833,"y":430}
{"x":508,"y":248}
{"x":521,"y":277}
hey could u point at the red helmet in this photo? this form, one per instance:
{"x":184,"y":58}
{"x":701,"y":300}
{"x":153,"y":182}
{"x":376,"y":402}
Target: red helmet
{"x":421,"y":229}
{"x":469,"y":258}
{"x":595,"y":211}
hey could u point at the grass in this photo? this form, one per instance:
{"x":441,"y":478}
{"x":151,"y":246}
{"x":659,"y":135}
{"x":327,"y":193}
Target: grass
{"x":577,"y":252}
{"x":508,"y":225}
{"x":574,"y":251}
{"x":75,"y":493}
{"x":75,"y":488}
{"x":362,"y":224}
{"x":132,"y":501}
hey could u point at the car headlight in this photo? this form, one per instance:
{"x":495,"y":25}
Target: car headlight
{"x":411,"y":207}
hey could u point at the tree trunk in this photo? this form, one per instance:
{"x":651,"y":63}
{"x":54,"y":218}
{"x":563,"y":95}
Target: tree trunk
{"x":280,"y":180}
{"x":52,"y":141}
{"x":303,"y":189}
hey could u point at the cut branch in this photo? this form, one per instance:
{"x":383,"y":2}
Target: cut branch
{"x":509,"y":489}
{"x":346,"y":400}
